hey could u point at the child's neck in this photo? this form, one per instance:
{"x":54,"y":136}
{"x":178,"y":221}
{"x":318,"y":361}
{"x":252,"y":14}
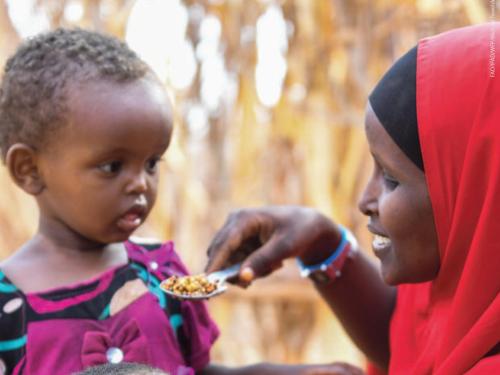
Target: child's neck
{"x":59,"y":246}
{"x":45,"y":263}
{"x":54,"y":234}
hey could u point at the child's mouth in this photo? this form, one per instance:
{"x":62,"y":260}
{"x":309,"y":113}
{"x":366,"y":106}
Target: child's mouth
{"x":380,"y":244}
{"x":129,"y":222}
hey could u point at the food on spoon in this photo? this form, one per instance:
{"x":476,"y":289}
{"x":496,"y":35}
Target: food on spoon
{"x":196,"y":285}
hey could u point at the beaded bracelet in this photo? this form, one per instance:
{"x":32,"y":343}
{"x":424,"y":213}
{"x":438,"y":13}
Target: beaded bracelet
{"x":330,"y":269}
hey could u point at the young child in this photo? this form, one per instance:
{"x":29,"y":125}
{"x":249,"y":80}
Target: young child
{"x":83,"y":125}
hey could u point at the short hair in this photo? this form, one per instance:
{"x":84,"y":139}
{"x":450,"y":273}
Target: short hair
{"x":37,"y":78}
{"x":123,"y":368}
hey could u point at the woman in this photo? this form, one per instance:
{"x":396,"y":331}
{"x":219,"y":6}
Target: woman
{"x":433,"y":127}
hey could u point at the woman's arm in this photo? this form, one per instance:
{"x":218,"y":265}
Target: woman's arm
{"x":364,"y":304}
{"x":262,"y":238}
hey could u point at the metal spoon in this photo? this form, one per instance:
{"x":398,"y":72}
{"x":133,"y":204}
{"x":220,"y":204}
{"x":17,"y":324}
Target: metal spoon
{"x":218,"y":277}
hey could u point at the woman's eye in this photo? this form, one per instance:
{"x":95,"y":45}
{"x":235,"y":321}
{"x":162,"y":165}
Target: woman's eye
{"x":152,"y":165}
{"x":111,"y":167}
{"x":390,"y":181}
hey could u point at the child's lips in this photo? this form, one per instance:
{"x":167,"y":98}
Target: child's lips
{"x":133,"y":218}
{"x":130,"y":222}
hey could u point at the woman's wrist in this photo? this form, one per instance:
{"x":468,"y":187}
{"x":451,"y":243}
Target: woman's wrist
{"x":330,"y":269}
{"x":328,"y":238}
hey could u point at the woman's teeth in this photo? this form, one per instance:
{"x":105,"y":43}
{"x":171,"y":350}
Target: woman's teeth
{"x":380,"y":242}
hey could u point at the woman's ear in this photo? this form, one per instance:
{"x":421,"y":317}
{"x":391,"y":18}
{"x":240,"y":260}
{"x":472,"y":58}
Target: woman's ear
{"x":21,"y":161}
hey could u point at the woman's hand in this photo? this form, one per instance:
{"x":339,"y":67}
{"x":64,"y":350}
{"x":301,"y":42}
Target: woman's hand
{"x":262,"y":238}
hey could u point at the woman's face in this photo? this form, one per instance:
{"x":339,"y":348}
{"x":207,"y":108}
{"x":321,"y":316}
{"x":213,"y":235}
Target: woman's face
{"x":397,"y":202}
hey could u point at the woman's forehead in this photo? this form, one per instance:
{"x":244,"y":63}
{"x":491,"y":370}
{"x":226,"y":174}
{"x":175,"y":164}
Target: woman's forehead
{"x":394,"y":100}
{"x":383,"y":148}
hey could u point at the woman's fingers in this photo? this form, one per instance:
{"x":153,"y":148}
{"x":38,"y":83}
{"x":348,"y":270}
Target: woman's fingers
{"x":249,"y":236}
{"x":234,"y":241}
{"x":262,"y":238}
{"x":268,"y":258}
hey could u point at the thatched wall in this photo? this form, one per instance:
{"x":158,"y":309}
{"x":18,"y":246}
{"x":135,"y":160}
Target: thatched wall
{"x":307,"y":149}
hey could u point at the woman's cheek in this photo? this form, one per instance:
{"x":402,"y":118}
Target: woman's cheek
{"x":388,"y":211}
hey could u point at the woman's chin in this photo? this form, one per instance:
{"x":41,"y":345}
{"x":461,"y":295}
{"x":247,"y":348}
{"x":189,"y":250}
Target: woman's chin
{"x":393,"y":278}
{"x":389,"y":279}
{"x":390,"y":275}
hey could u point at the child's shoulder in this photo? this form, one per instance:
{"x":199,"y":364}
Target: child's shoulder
{"x":15,"y":272}
{"x":12,"y":301}
{"x":7,"y":288}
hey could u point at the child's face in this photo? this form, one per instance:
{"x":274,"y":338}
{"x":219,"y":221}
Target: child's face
{"x":101,"y":169}
{"x":397,"y":201}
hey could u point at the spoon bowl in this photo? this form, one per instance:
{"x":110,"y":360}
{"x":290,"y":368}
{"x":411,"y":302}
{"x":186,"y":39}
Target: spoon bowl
{"x":218,"y":278}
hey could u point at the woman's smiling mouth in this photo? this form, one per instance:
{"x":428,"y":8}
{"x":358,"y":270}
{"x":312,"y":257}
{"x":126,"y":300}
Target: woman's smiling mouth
{"x":381,"y":244}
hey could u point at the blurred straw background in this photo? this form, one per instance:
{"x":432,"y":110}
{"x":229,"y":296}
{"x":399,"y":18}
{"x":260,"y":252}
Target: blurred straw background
{"x":269,"y":99}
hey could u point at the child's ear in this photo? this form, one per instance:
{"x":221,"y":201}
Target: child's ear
{"x":21,"y":161}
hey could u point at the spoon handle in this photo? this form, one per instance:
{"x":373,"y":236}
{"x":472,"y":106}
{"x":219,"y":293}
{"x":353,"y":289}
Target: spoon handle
{"x":222,"y":275}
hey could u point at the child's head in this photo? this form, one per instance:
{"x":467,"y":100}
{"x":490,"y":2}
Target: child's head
{"x":38,"y":79}
{"x":122,"y":369}
{"x":83,"y":124}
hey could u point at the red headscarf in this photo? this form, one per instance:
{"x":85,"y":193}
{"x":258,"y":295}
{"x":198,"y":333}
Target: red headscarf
{"x":448,"y":326}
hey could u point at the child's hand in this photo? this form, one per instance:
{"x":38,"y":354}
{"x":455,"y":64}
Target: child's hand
{"x":262,"y":238}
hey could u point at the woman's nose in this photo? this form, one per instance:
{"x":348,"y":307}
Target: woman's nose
{"x":368,"y":202}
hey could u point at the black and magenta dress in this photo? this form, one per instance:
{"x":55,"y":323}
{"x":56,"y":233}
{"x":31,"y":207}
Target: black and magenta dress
{"x":122,"y":315}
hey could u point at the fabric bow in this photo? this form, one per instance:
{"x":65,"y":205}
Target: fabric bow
{"x":128,"y":339}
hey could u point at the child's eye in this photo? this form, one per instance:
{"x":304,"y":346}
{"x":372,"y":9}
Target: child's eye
{"x":390,"y":181}
{"x":152,"y":164}
{"x":111,"y":167}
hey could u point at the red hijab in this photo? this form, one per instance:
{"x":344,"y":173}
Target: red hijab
{"x":449,"y":325}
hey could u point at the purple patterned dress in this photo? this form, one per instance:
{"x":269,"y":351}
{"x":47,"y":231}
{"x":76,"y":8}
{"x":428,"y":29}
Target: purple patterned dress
{"x":122,"y":315}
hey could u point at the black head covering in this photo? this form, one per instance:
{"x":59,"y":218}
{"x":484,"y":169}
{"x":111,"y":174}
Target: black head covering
{"x":394,"y":101}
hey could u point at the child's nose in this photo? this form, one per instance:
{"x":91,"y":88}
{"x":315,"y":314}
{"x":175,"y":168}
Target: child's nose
{"x":138,"y":184}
